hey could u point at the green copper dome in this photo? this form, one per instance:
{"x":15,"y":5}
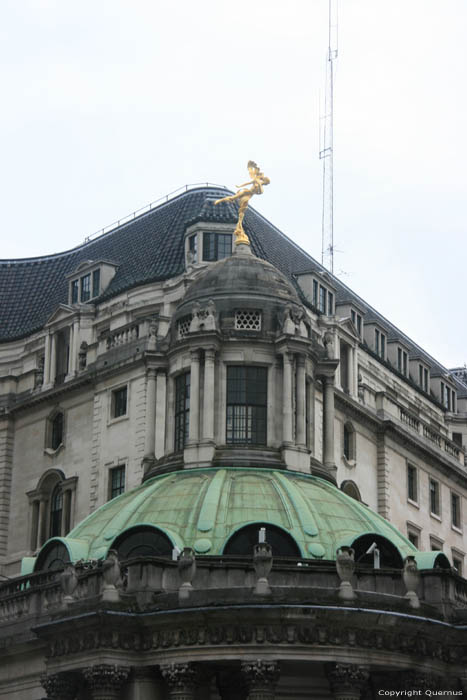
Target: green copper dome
{"x":203,"y":508}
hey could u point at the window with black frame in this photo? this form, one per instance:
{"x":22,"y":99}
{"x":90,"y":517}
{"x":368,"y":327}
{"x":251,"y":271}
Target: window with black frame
{"x":56,"y":509}
{"x":247,"y":405}
{"x":216,"y":246}
{"x":182,"y":410}
{"x":56,"y":437}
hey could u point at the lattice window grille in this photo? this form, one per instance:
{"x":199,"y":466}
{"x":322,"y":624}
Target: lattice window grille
{"x":247,"y":320}
{"x":184,"y":326}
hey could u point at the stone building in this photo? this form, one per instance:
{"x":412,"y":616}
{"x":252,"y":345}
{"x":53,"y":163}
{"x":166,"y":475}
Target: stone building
{"x":222,"y":474}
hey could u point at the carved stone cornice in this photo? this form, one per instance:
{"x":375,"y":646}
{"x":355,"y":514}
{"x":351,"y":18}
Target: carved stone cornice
{"x":105,"y":680}
{"x":61,"y":686}
{"x":182,"y":680}
{"x":347,"y":680}
{"x":261,"y":677}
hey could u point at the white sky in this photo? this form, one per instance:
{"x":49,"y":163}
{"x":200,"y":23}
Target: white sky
{"x":109,"y":104}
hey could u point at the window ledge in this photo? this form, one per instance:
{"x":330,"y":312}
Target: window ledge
{"x":413,"y":503}
{"x":112,"y":421}
{"x":456,"y":529}
{"x":49,"y":451}
{"x":436,"y":516}
{"x":350,"y":463}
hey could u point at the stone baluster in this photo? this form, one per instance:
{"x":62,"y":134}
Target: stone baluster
{"x":301,"y":395}
{"x":61,"y":686}
{"x":150,"y":434}
{"x":106,"y":680}
{"x":261,"y":678}
{"x":161,"y":392}
{"x":193,"y":437}
{"x":287,"y":398}
{"x":208,"y":397}
{"x":347,"y":680}
{"x":181,"y":680}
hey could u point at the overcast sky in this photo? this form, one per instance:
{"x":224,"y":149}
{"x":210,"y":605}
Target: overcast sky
{"x":108,"y":105}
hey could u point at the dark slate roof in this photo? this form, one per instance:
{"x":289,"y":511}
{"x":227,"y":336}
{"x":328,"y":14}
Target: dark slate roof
{"x":149,"y":248}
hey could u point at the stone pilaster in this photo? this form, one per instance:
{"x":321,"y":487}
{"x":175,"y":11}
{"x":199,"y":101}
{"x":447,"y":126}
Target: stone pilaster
{"x":193,"y":437}
{"x":328,"y":429}
{"x":106,"y":680}
{"x":382,"y":471}
{"x":181,"y":680}
{"x":161,"y":391}
{"x":150,"y":434}
{"x":347,"y":681}
{"x":261,"y":678}
{"x":208,"y":395}
{"x":287,"y":399}
{"x":301,"y":396}
{"x":6,"y":466}
{"x":61,"y":686}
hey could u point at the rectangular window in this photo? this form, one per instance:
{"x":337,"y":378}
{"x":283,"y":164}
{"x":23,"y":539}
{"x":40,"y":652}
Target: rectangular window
{"x":117,"y":481}
{"x":434,"y":497}
{"x":119,"y":402}
{"x":75,"y":291}
{"x":455,"y":510}
{"x":85,"y":288}
{"x":413,"y":536}
{"x":96,"y":283}
{"x":412,"y":486}
{"x":425,"y":380}
{"x":216,"y":246}
{"x":315,"y":293}
{"x":383,"y":346}
{"x":457,"y":439}
{"x":322,"y":300}
{"x":436,"y":545}
{"x":420,"y":375}
{"x":330,"y":304}
{"x":193,"y":247}
{"x":458,"y":564}
{"x":353,"y":316}
{"x":377,"y":341}
{"x":359,"y":325}
{"x":246,"y":405}
{"x":182,"y":410}
{"x":402,"y":361}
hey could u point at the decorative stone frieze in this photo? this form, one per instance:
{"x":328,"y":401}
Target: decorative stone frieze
{"x":347,"y":680}
{"x":105,"y":680}
{"x":61,"y":686}
{"x":181,"y":680}
{"x":261,"y":678}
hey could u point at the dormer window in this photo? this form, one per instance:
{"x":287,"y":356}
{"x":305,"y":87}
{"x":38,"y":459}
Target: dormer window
{"x":216,"y":246}
{"x":402,"y":361}
{"x":448,"y":397}
{"x":89,"y":280}
{"x":423,"y":378}
{"x":380,"y":344}
{"x":323,"y":299}
{"x":357,"y":321}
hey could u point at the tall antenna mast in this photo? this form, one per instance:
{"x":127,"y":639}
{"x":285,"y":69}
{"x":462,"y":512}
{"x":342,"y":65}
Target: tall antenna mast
{"x":326,"y":152}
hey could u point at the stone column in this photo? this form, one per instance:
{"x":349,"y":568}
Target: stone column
{"x":53,"y":358}
{"x":261,"y":678}
{"x":42,"y":522}
{"x":61,"y":686}
{"x":301,"y":394}
{"x":347,"y":680}
{"x":350,"y":372}
{"x":74,"y":337}
{"x":47,"y":360}
{"x":328,"y":428}
{"x":105,"y":680}
{"x":193,"y":437}
{"x":287,"y":398}
{"x":208,"y":398}
{"x":181,"y":680}
{"x":161,"y":389}
{"x":150,"y":434}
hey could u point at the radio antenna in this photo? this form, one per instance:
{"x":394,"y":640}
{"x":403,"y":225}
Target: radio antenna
{"x":326,"y":152}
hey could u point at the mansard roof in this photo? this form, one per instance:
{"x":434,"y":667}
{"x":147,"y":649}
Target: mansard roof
{"x":150,"y":248}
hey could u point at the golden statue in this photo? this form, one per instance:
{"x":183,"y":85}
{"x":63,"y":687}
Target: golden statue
{"x":257,"y":182}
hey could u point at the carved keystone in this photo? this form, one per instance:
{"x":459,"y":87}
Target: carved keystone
{"x":347,"y":680}
{"x":61,"y":686}
{"x":105,"y":680}
{"x":261,"y":678}
{"x":181,"y":680}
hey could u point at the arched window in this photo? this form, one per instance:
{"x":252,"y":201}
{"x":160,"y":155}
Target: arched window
{"x":53,"y":557}
{"x":389,"y":555}
{"x":350,"y":488}
{"x":144,"y":541}
{"x":242,"y":542}
{"x":348,"y":442}
{"x":56,"y":510}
